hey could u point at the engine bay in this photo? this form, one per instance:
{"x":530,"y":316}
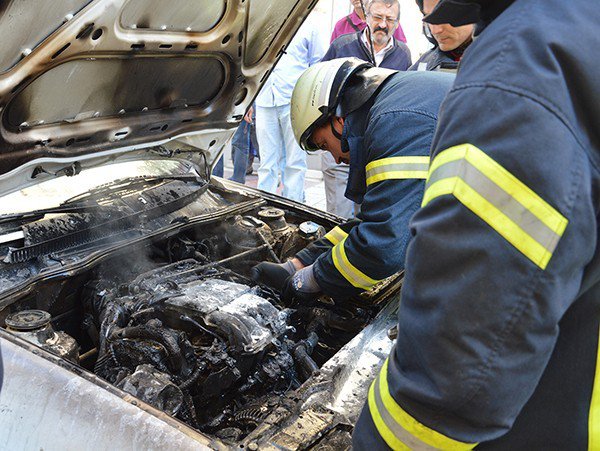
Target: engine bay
{"x":179,"y":324}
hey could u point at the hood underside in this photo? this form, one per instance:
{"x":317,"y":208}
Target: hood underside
{"x":82,"y":78}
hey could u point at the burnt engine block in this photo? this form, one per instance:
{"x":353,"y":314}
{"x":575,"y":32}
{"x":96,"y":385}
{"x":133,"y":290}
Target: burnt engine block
{"x":207,"y":350}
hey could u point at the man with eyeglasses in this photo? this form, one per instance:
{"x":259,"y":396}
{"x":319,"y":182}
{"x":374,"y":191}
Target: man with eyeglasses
{"x":449,"y":42}
{"x":355,"y":22}
{"x":382,"y":20}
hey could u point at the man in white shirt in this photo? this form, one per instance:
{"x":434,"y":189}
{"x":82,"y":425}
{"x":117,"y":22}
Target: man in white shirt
{"x":279,"y":151}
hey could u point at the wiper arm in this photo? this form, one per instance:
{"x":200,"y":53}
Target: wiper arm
{"x":64,"y":208}
{"x":129,"y":183}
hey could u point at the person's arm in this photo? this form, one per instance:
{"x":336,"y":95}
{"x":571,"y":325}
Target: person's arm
{"x":497,"y":258}
{"x":275,"y":274}
{"x":374,"y":249}
{"x":316,"y":48}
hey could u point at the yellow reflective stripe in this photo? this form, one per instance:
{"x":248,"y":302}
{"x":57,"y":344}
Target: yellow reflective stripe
{"x":397,"y":175}
{"x":397,"y":168}
{"x":594,"y":416}
{"x":387,"y":435}
{"x":391,"y":160}
{"x":336,"y":235}
{"x":491,"y":192}
{"x":405,"y":424}
{"x":493,"y":217}
{"x":448,"y":155}
{"x":350,"y":272}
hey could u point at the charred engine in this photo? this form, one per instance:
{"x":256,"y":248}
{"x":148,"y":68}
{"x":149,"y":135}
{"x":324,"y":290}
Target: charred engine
{"x":191,"y":334}
{"x":198,"y":346}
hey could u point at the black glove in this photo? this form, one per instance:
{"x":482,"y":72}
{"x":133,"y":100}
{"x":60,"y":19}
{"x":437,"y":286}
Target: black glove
{"x":273,"y":274}
{"x":301,"y":288}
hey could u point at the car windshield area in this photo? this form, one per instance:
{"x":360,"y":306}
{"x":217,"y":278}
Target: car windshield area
{"x":52,"y":193}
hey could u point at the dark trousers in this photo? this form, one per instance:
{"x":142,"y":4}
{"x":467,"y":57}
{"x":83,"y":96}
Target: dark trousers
{"x":243,"y":142}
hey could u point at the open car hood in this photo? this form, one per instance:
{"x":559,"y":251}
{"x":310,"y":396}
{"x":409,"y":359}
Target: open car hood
{"x":84,"y":82}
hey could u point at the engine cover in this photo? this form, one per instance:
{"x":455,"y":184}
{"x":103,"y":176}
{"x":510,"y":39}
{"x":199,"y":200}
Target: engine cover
{"x":249,"y":321}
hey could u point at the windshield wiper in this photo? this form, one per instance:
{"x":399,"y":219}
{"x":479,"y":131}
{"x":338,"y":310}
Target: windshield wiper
{"x":129,"y":183}
{"x":34,"y":215}
{"x":47,"y":237}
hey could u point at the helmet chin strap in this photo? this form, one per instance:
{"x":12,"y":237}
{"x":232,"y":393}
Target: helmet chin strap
{"x":337,"y":134}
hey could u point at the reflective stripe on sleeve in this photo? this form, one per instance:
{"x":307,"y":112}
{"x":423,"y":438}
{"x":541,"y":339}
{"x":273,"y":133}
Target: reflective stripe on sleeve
{"x":350,"y":272}
{"x":594,"y":416}
{"x":336,"y":235}
{"x":397,"y":168}
{"x":496,"y":196}
{"x":399,"y":430}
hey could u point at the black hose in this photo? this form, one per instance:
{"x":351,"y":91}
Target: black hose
{"x":146,"y":314}
{"x":301,"y":353}
{"x":153,"y":330}
{"x":194,"y":377}
{"x":188,"y":411}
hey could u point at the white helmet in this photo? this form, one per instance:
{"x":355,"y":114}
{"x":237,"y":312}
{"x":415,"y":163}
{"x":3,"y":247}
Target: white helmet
{"x":316,"y":95}
{"x":337,"y":87}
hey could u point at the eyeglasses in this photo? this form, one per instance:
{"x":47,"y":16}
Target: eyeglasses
{"x":388,"y":20}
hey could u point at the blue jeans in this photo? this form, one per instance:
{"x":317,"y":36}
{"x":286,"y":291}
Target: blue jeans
{"x":243,"y":139}
{"x":279,"y":152}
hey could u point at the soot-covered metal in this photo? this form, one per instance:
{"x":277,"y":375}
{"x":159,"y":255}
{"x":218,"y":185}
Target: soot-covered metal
{"x":183,"y":328}
{"x":173,"y":318}
{"x":198,"y":345}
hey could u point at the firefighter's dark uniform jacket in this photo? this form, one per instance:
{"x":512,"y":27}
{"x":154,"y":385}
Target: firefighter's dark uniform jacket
{"x":433,"y":60}
{"x":499,"y":319}
{"x":388,"y":139}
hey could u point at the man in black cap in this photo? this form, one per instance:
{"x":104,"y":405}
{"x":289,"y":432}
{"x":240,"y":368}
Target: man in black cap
{"x":449,"y":42}
{"x":499,"y":324}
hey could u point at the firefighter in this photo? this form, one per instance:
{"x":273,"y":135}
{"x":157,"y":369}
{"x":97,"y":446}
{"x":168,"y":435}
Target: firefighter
{"x":500,"y":314}
{"x":381,"y":123}
{"x":449,"y":43}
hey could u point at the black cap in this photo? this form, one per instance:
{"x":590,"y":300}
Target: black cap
{"x":454,"y":12}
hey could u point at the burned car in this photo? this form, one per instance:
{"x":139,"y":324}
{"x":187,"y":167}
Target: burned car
{"x":128,"y":318}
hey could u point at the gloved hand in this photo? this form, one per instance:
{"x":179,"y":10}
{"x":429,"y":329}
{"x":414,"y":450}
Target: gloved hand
{"x":301,"y":288}
{"x":273,"y":274}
